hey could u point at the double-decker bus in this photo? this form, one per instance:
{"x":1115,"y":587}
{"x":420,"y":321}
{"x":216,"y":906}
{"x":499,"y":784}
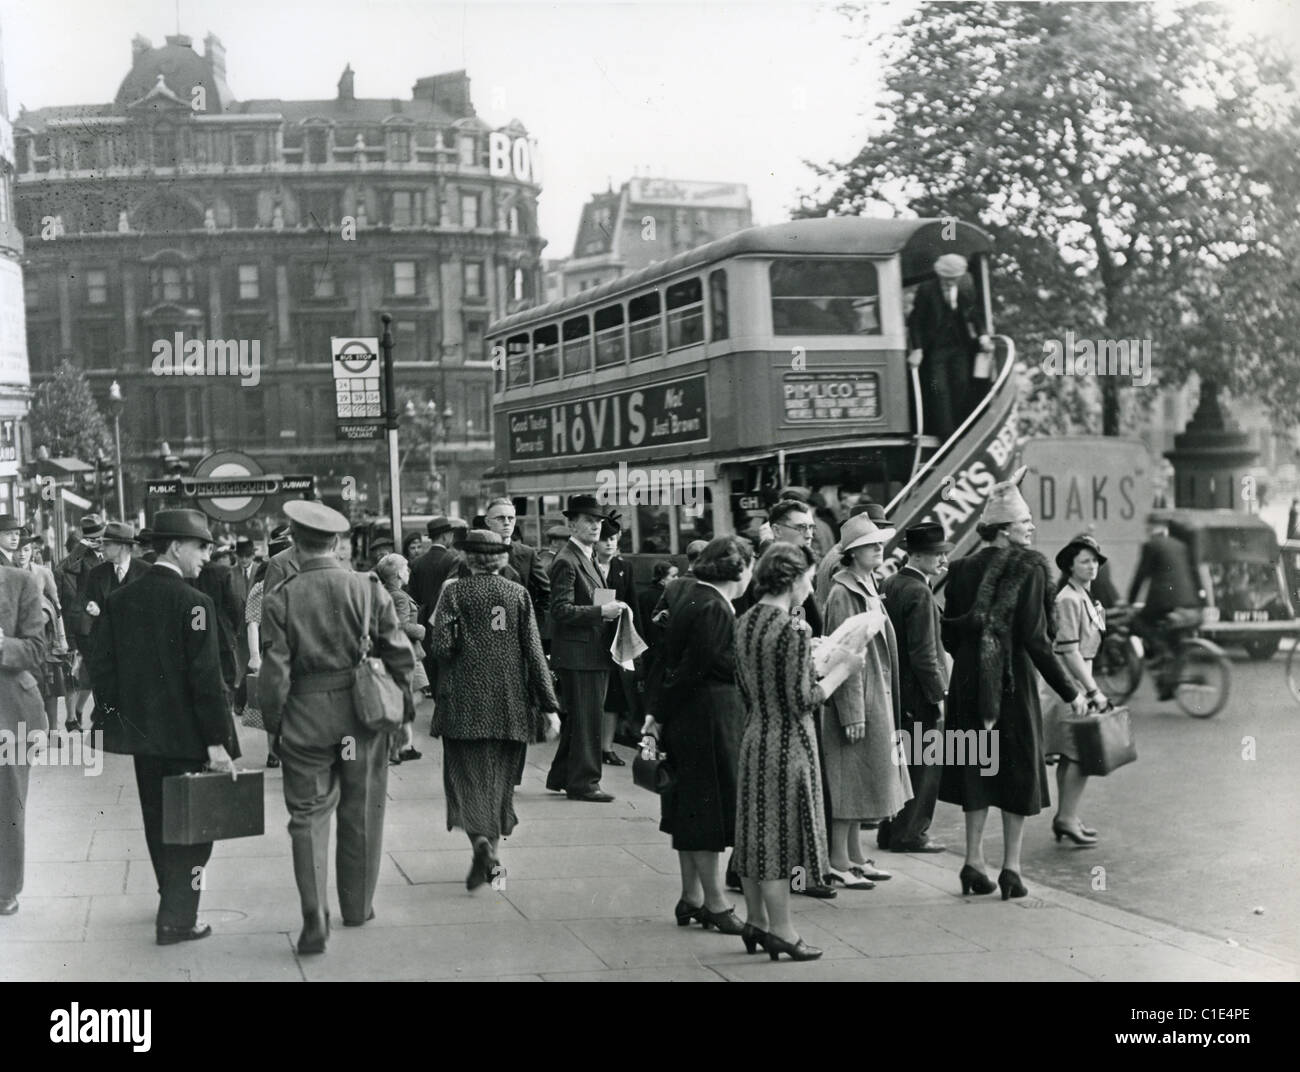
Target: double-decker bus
{"x":689,"y":391}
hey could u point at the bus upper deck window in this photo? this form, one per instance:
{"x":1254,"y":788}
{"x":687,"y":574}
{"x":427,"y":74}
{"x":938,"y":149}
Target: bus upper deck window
{"x":685,"y":301}
{"x":825,"y":297}
{"x":645,"y":332}
{"x":609,"y":336}
{"x":517,"y":360}
{"x":576,"y":358}
{"x":546,"y":353}
{"x":718,"y":303}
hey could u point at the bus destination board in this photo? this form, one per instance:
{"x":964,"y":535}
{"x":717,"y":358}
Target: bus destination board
{"x":830,"y":396}
{"x":642,"y":418}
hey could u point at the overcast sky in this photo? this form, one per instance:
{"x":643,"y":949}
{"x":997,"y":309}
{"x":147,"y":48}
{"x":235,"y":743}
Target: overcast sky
{"x":722,"y":91}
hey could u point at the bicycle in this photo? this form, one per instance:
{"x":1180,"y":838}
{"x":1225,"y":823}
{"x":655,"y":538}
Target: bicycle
{"x":1200,"y":674}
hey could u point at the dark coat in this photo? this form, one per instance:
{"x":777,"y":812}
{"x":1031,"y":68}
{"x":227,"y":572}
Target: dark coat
{"x":703,"y":720}
{"x":427,"y":574}
{"x":923,"y":674}
{"x":948,"y":339}
{"x":619,"y":575}
{"x":215,"y":581}
{"x":1167,"y":565}
{"x":532,"y":575}
{"x":72,"y":574}
{"x":579,"y":639}
{"x":22,"y":650}
{"x":1018,"y":607}
{"x":493,"y":681}
{"x":156,"y":669}
{"x":101,"y":583}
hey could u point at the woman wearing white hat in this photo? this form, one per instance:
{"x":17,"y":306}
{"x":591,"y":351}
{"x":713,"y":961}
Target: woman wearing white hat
{"x":859,"y":721}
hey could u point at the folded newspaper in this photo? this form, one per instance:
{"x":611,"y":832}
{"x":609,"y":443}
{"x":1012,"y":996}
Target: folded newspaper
{"x":853,"y":635}
{"x":627,"y":642}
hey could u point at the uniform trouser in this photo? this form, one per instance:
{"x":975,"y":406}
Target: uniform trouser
{"x":913,"y":823}
{"x":178,"y":868}
{"x":330,"y":763}
{"x":14,"y":779}
{"x":576,"y":767}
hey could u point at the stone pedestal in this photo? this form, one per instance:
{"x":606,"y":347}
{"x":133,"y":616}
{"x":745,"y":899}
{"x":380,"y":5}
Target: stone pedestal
{"x":1211,"y":457}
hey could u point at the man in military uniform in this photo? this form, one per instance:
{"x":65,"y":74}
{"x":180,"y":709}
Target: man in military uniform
{"x":157,"y":676}
{"x":312,"y":622}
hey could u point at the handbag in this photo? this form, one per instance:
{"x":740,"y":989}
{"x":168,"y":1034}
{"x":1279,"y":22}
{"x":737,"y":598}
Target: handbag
{"x":1103,"y":742}
{"x":652,"y":773}
{"x":378,"y":700}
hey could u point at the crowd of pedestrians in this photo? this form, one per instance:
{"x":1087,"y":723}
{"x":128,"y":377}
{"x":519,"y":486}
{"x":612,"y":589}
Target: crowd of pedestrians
{"x":779,"y":675}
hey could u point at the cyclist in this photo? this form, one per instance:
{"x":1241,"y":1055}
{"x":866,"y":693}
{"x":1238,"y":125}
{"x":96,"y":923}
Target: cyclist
{"x":1167,"y":567}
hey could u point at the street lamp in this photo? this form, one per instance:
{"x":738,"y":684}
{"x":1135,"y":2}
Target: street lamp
{"x":115,"y":408}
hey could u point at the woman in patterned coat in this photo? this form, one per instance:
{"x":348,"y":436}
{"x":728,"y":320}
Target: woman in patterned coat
{"x":781,"y":824}
{"x":494,"y":695}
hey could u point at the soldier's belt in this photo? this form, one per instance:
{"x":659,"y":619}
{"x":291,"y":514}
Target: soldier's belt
{"x":327,"y":681}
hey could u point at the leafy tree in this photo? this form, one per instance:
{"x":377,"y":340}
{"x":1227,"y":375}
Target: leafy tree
{"x":1136,"y":168}
{"x":65,"y":418}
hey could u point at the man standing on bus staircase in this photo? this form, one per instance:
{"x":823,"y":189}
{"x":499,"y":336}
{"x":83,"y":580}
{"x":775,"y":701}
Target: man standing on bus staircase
{"x":580,"y":653}
{"x":946,"y":331}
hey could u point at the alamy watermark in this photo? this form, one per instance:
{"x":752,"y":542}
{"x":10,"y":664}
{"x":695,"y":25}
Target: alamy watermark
{"x":650,"y":487}
{"x":180,"y":356}
{"x":948,"y":748}
{"x":1103,"y":357}
{"x":20,"y":747}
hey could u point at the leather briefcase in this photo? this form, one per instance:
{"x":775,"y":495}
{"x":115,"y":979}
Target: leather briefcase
{"x":1104,"y":742}
{"x":212,"y":806}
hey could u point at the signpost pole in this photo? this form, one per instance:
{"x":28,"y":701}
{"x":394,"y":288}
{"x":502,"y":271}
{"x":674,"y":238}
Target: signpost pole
{"x":390,"y":413}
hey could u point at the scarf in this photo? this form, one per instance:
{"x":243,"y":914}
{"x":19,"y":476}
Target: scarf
{"x":991,"y":618}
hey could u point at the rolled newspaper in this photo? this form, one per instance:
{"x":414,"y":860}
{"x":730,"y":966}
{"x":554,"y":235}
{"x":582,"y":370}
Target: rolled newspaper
{"x":853,"y":635}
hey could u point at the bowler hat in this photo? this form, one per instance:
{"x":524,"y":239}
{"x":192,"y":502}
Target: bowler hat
{"x":316,"y":516}
{"x":92,"y":526}
{"x":9,"y":523}
{"x":1066,"y":555}
{"x":119,"y":532}
{"x":180,"y":525}
{"x":586,"y":504}
{"x":244,"y":544}
{"x":484,"y":542}
{"x":926,"y":538}
{"x":436,"y":526}
{"x":861,"y":530}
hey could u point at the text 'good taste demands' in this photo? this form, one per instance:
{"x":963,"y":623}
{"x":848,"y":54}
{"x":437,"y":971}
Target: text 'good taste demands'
{"x":666,"y":413}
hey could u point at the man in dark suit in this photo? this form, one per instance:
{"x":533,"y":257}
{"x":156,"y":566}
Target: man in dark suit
{"x":580,"y":653}
{"x":620,"y":694}
{"x":118,"y":568}
{"x":156,"y":668}
{"x":22,"y":658}
{"x":425,"y":568}
{"x":500,"y":518}
{"x":945,"y":332}
{"x":923,"y":680}
{"x":1166,"y":568}
{"x":72,"y":574}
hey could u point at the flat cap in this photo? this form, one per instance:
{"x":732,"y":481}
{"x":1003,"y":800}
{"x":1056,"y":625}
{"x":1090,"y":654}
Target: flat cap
{"x":316,"y":516}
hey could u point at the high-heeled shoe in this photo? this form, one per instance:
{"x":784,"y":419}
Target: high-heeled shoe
{"x":1010,"y":885}
{"x":1086,"y":830}
{"x":685,"y":912}
{"x":753,"y":938}
{"x":726,"y":921}
{"x":799,"y":950}
{"x":975,"y":881}
{"x":1079,"y":836}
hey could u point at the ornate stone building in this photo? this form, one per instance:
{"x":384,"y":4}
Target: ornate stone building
{"x":14,"y":379}
{"x":177,"y":212}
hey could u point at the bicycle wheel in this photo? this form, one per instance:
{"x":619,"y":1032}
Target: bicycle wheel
{"x":1293,"y":670}
{"x":1118,"y":670}
{"x":1204,"y":678}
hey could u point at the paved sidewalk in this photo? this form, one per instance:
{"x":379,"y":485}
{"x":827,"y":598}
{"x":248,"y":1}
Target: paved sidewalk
{"x":588,"y":895}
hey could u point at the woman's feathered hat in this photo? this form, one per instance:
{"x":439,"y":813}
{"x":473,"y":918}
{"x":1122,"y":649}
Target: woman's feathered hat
{"x":1005,"y":503}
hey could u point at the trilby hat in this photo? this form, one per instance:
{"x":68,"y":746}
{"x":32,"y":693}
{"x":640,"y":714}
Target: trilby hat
{"x":926,"y":538}
{"x":586,"y":504}
{"x":861,"y":530}
{"x":120,"y":532}
{"x":92,"y":526}
{"x":180,"y":525}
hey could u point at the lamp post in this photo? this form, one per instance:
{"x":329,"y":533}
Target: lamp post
{"x":115,"y":408}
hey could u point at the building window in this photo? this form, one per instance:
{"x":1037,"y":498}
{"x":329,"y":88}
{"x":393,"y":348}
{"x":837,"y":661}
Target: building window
{"x":253,"y":407}
{"x":399,"y":146}
{"x":170,"y":283}
{"x":317,"y":145}
{"x":473,"y":280}
{"x":245,"y":149}
{"x":518,"y":287}
{"x":315,"y":332}
{"x":404,"y":279}
{"x":249,"y":288}
{"x":474,"y":345}
{"x":244,"y":207}
{"x":468,"y":155}
{"x":322,"y":281}
{"x":512,"y":220}
{"x":476,"y":408}
{"x":410,"y":340}
{"x":469,"y":210}
{"x":405,"y":208}
{"x":98,"y":345}
{"x":318,"y":208}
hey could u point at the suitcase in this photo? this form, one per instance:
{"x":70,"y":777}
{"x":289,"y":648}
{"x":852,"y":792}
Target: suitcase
{"x":212,"y":806}
{"x":1104,"y":741}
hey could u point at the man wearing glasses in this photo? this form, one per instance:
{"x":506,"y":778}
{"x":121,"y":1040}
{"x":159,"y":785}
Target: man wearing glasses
{"x":792,"y":522}
{"x":500,"y":518}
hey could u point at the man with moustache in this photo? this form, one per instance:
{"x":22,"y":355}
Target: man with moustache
{"x":923,"y":680}
{"x":580,"y":653}
{"x":156,"y":670}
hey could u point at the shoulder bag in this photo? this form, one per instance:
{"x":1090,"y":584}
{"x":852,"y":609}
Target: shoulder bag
{"x":377,"y":698}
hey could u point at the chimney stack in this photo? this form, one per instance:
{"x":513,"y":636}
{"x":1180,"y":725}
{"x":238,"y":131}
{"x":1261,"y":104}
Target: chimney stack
{"x":215,"y":53}
{"x":139,"y":46}
{"x":346,"y":91}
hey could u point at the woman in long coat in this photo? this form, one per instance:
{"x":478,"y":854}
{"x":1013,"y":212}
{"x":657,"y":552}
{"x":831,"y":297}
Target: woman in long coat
{"x":995,"y":627}
{"x":702,"y":719}
{"x":866,"y":780}
{"x":494,"y":692}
